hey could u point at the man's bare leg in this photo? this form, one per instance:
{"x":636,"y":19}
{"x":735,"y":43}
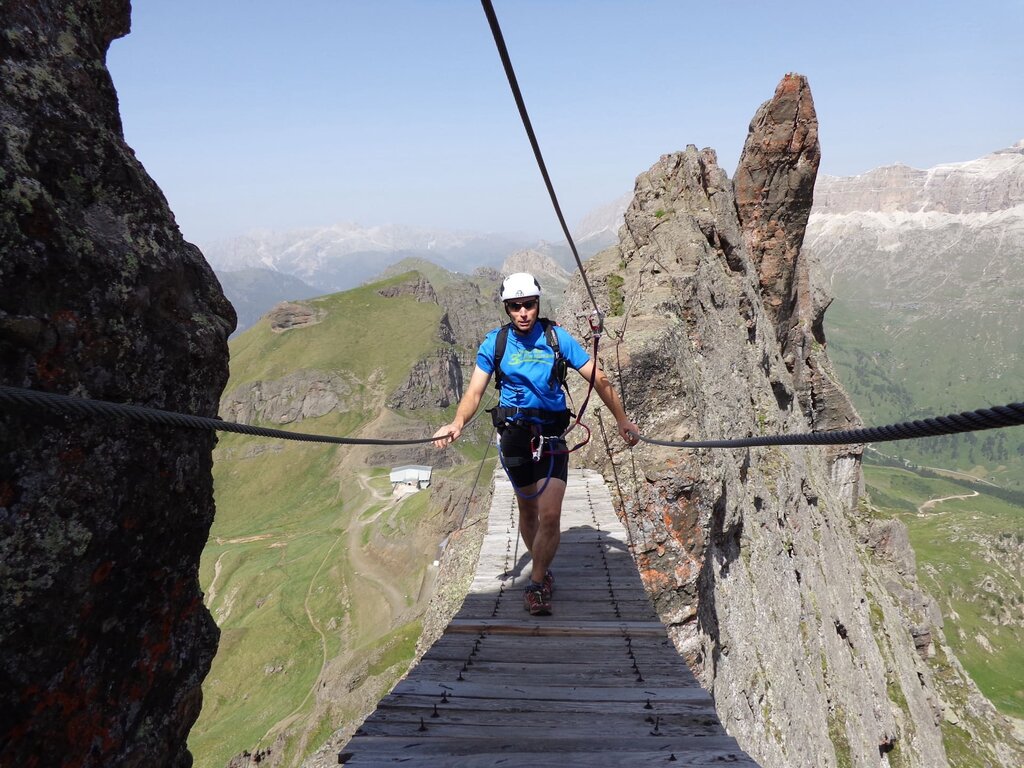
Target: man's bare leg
{"x":540,"y":525}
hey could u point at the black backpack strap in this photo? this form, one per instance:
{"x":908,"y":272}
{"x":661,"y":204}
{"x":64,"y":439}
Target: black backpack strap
{"x":560,"y":367}
{"x":499,"y":351}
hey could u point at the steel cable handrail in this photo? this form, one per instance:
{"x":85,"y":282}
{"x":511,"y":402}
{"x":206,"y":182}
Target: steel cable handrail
{"x":68,"y":405}
{"x":996,"y":417}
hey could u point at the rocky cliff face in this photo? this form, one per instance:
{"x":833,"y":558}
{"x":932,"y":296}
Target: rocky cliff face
{"x":105,"y":638}
{"x":293,"y":398}
{"x":774,"y":185}
{"x":756,"y":558}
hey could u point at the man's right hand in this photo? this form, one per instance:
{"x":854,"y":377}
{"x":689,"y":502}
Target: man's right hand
{"x":446,"y":435}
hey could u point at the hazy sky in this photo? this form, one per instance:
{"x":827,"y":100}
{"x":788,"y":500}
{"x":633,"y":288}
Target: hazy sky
{"x":255,"y":114}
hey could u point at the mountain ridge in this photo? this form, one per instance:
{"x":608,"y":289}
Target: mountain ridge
{"x":987,"y":184}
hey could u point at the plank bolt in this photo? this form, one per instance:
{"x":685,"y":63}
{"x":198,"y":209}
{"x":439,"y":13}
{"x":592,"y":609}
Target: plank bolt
{"x":672,"y":757}
{"x":656,"y":731}
{"x":460,"y":677}
{"x":648,"y":705}
{"x":469,"y":661}
{"x":435,"y":712}
{"x":444,"y":697}
{"x":639,"y":677}
{"x":423,"y":726}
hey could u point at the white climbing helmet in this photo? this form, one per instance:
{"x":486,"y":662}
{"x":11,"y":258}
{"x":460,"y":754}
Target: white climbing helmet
{"x":518,"y":285}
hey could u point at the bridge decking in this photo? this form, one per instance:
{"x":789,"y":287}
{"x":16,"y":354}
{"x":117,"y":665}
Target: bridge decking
{"x":597,"y":683}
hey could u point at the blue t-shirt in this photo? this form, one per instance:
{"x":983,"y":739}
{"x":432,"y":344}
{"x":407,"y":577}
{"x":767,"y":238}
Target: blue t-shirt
{"x":526,"y":366}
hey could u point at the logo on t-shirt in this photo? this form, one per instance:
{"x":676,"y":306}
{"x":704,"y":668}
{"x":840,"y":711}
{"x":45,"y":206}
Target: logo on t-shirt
{"x":524,"y":356}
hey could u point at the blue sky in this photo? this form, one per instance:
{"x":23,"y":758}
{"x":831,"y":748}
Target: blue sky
{"x":267,"y":115}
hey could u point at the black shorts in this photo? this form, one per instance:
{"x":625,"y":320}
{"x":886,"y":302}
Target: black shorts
{"x":517,"y":458}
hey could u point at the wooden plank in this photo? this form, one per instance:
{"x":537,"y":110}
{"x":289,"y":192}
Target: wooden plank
{"x":541,"y":692}
{"x":520,"y":744}
{"x":460,"y":647}
{"x":697,"y":758}
{"x":565,"y":728}
{"x":533,"y":626}
{"x":454,"y":703}
{"x":554,"y":670}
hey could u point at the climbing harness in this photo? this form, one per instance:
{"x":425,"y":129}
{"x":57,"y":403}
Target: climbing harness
{"x":535,"y":455}
{"x":530,"y":420}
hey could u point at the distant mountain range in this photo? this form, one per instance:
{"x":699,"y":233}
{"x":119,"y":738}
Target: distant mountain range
{"x":258,"y":270}
{"x":343,"y":256}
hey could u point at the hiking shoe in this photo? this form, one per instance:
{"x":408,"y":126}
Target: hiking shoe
{"x":536,"y":601}
{"x":548,"y":585}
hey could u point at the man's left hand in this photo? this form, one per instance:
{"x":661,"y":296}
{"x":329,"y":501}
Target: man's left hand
{"x":630,"y":432}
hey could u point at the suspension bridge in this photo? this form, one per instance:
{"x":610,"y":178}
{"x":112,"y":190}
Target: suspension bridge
{"x":596,"y":683}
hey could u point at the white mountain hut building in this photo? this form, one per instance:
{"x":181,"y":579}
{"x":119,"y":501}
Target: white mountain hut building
{"x":414,"y":476}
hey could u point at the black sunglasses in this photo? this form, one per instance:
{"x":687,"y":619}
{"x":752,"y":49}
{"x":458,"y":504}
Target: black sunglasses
{"x":515,"y":306}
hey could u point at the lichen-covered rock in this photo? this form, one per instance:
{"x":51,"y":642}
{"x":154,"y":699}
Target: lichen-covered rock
{"x":105,"y":638}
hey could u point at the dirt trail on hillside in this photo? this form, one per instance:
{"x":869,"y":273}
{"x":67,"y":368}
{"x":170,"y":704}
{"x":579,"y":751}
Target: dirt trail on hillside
{"x":211,"y":591}
{"x":372,"y":573}
{"x":932,"y":502}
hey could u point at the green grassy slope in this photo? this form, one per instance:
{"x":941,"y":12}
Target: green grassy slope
{"x":362,"y":333}
{"x":314,"y":572}
{"x":970,"y":558}
{"x":899,"y":366}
